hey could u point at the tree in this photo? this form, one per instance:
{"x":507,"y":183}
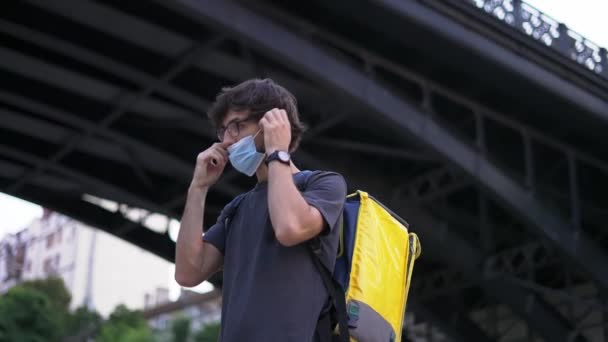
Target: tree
{"x":209,"y":333}
{"x":26,"y":314}
{"x":38,"y":311}
{"x":54,"y":288}
{"x":181,"y":329}
{"x":125,"y":325}
{"x":82,"y":322}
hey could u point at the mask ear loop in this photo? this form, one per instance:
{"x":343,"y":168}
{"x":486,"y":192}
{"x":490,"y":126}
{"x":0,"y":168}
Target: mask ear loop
{"x":256,"y":134}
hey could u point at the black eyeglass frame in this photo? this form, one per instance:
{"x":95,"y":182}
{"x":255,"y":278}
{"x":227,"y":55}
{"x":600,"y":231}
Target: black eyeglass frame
{"x":233,"y":128}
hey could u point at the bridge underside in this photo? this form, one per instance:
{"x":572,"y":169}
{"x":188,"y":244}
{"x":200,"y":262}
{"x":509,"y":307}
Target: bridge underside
{"x":495,"y":155}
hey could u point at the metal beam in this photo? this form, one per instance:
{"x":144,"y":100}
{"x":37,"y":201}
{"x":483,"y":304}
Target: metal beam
{"x":55,"y":134}
{"x":102,"y":63}
{"x":10,"y":170}
{"x":92,"y":185}
{"x":375,"y":149}
{"x":125,"y":101}
{"x":454,"y":323}
{"x":152,"y":158}
{"x":42,"y":71}
{"x":95,"y":216}
{"x":552,"y":34}
{"x":311,"y":60}
{"x":428,"y":86}
{"x":436,"y":183}
{"x":164,"y":42}
{"x":168,"y":44}
{"x":519,"y":261}
{"x":513,"y":60}
{"x":171,"y":167}
{"x":227,"y":66}
{"x":148,"y":35}
{"x":538,"y":314}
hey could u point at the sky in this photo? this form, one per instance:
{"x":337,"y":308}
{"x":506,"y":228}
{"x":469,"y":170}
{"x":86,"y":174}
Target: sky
{"x":587,"y":17}
{"x":16,"y":214}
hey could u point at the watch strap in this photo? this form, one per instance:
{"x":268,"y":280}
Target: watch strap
{"x":275,"y":156}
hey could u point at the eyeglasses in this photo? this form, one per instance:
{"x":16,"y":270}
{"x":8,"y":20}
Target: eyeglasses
{"x":233,"y":128}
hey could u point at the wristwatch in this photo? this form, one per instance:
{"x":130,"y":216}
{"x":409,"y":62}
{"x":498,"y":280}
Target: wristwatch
{"x":281,"y":156}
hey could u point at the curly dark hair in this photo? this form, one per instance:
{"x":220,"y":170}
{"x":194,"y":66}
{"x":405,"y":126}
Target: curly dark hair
{"x":258,"y":96}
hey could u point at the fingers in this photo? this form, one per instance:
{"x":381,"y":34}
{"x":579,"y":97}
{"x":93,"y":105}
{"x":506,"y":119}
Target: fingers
{"x":278,"y":115}
{"x":223,"y":145}
{"x":218,"y":159}
{"x":282,"y":116}
{"x":213,"y":161}
{"x":219,"y":155}
{"x":274,"y":117}
{"x":216,"y":155}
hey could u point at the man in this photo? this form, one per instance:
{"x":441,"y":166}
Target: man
{"x":271,"y":288}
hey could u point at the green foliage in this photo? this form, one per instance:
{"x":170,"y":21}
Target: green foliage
{"x":38,"y":311}
{"x":181,"y":329}
{"x":125,"y":325}
{"x":58,"y":295}
{"x":55,"y":290}
{"x":82,"y":319}
{"x":27,"y":314}
{"x":122,"y":314}
{"x":124,"y":333}
{"x":209,"y":333}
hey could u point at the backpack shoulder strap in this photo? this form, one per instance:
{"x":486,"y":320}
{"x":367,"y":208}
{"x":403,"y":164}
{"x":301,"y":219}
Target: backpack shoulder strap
{"x":336,"y":293}
{"x":337,"y":296}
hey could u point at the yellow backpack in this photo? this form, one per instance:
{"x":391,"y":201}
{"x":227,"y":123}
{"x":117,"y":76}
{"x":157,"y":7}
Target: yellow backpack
{"x":373,"y":271}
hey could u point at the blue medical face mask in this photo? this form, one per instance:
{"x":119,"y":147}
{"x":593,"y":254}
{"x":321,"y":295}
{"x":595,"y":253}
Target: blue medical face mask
{"x":244,"y":156}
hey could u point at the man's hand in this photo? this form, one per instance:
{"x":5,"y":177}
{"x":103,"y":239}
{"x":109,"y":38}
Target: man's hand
{"x":209,"y":166}
{"x":277,"y":130}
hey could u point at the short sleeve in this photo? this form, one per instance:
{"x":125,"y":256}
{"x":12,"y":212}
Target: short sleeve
{"x":216,"y":235}
{"x":326,"y":191}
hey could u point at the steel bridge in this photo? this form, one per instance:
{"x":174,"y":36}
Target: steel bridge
{"x":482,"y":122}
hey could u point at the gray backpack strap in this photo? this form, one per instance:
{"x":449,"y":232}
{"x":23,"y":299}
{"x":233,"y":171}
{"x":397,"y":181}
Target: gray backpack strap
{"x":337,"y":313}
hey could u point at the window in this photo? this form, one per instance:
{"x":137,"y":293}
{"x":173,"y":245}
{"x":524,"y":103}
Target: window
{"x":59,"y":235}
{"x":51,"y":265}
{"x":49,"y":241}
{"x":48,"y":266}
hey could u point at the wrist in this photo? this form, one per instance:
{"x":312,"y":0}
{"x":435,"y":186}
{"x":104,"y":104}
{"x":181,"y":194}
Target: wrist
{"x":198,"y":189}
{"x":272,"y":149}
{"x":280,"y":156}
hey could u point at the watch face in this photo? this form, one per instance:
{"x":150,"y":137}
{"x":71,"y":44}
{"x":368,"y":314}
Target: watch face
{"x":283,"y":156}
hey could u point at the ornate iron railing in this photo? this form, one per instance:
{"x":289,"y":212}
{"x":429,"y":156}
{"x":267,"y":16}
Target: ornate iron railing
{"x":548,"y":31}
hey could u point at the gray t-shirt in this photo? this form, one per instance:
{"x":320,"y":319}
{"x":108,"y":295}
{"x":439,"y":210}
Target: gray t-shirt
{"x":272,"y":292}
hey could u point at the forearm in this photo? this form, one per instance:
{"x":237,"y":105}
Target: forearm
{"x":289,"y":212}
{"x":189,"y":249}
